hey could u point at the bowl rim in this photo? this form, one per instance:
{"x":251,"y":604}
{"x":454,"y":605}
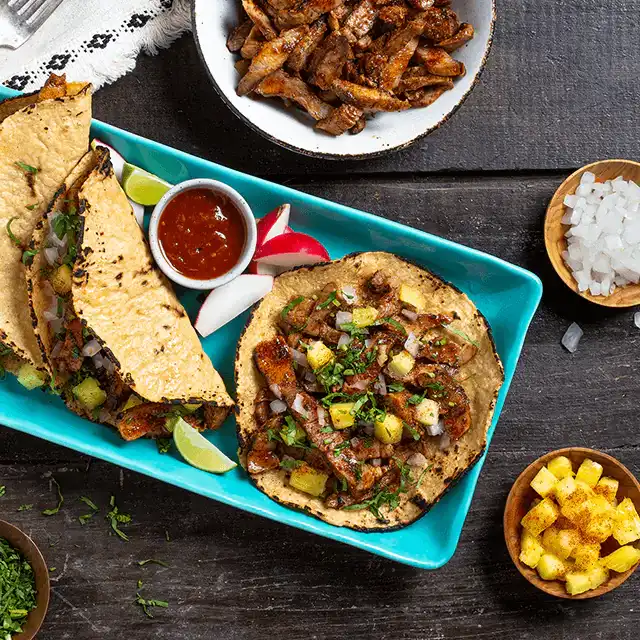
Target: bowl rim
{"x":356,"y":156}
{"x":247,"y":250}
{"x":612,"y":583}
{"x":23,"y":543}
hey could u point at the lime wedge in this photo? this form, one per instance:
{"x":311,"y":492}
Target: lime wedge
{"x":141,"y":186}
{"x":198,"y":451}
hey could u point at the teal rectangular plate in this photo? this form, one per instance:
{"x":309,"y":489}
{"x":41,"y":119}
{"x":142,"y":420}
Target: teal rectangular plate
{"x":506,"y":294}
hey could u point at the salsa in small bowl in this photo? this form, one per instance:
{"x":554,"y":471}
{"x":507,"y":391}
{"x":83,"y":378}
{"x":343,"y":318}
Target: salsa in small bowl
{"x":202,"y":234}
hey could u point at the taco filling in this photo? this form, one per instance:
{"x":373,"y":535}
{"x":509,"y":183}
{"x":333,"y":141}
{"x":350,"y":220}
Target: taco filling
{"x":357,"y":385}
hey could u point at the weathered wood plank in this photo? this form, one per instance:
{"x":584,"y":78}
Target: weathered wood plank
{"x":560,"y":90}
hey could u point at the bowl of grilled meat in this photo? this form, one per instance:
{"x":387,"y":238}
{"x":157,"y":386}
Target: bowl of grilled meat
{"x":344,"y":78}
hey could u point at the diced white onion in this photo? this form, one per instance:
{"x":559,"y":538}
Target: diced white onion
{"x":445,"y":441}
{"x":60,"y":243}
{"x":275,"y":389}
{"x":376,"y":462}
{"x":416,"y":460}
{"x":98,"y":361}
{"x":91,"y":348}
{"x":104,"y":415}
{"x":322,"y":416}
{"x":354,"y":442}
{"x":412,"y":344}
{"x":368,"y":342}
{"x":343,"y":317}
{"x":55,"y":352}
{"x":349,"y":294}
{"x":55,"y":324}
{"x":572,"y":337}
{"x":309,"y":376}
{"x":411,"y":315}
{"x":109,"y":367}
{"x":299,"y":357}
{"x":380,"y":386}
{"x":298,"y":406}
{"x":278,"y":406}
{"x":51,"y":255}
{"x":361,"y":385}
{"x":435,"y":429}
{"x":344,"y":340}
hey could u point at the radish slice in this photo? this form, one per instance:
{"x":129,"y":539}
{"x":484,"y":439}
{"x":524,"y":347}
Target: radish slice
{"x":273,"y":224}
{"x":230,"y":300}
{"x":117,"y":161}
{"x":291,"y":250}
{"x":260,"y":269}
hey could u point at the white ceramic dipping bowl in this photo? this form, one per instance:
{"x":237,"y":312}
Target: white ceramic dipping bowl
{"x":249,"y":226}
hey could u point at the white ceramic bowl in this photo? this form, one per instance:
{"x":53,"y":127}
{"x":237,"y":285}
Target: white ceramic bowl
{"x":249,"y":225}
{"x":212,"y":22}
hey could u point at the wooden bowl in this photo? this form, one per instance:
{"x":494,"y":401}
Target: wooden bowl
{"x":554,"y":230}
{"x":519,"y":502}
{"x":27,"y":547}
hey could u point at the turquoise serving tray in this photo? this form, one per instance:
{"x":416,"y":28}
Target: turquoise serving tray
{"x":506,"y":294}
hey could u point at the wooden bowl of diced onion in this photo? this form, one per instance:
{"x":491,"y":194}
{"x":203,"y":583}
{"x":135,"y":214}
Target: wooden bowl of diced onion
{"x":572,"y":526}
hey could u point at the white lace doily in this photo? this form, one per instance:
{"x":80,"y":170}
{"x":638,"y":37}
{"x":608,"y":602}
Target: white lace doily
{"x":94,"y":40}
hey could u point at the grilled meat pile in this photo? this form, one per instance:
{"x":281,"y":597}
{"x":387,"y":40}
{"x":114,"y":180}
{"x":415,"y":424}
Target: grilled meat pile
{"x":357,"y":381}
{"x":342,"y":60}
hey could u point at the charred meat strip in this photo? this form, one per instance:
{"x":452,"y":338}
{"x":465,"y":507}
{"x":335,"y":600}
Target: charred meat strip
{"x":260,"y":19}
{"x":238,"y":36}
{"x":309,"y":316}
{"x":215,"y":416}
{"x":361,"y":20}
{"x":398,"y":404}
{"x":438,"y":62}
{"x":342,"y":119}
{"x":304,"y":12}
{"x":281,"y":84}
{"x":70,"y":358}
{"x":418,"y":77}
{"x":329,"y":59}
{"x":397,"y":64}
{"x":270,"y":58}
{"x":371,"y":448}
{"x":261,"y":456}
{"x":462,"y":36}
{"x":441,"y":23}
{"x":252,"y":44}
{"x":393,"y":15}
{"x":274,"y":361}
{"x":421,"y":4}
{"x":367,"y":98}
{"x":307,"y":45}
{"x":426,"y":96}
{"x":441,"y":351}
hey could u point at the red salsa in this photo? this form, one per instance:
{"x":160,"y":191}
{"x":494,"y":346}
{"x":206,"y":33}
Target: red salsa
{"x":202,"y":233}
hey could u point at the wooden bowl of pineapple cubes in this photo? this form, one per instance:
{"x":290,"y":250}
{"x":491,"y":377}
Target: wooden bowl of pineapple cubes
{"x":520,"y":501}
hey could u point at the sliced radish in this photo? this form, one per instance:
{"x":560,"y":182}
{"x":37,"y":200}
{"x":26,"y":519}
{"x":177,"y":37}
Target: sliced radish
{"x":117,"y":161}
{"x":291,"y":250}
{"x":275,"y":223}
{"x":230,"y":300}
{"x":265,"y":269}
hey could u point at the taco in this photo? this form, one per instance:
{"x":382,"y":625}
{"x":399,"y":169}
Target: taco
{"x":117,"y":342}
{"x":366,"y":387}
{"x":42,"y":137}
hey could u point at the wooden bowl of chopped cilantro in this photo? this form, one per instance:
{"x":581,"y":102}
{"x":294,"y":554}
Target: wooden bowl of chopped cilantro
{"x":24,"y":585}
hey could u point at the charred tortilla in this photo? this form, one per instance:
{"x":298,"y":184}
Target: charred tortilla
{"x":116,"y":340}
{"x":416,"y":487}
{"x":42,"y":137}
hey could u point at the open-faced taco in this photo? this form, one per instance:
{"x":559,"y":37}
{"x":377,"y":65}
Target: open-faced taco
{"x":42,"y":137}
{"x":366,"y":387}
{"x":116,"y":340}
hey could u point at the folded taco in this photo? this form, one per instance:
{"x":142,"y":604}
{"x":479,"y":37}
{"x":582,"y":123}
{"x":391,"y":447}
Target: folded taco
{"x":42,"y":137}
{"x":117,"y":342}
{"x":366,"y":387}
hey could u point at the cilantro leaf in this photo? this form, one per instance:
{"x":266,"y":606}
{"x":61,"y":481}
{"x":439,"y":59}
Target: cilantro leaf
{"x":52,"y":512}
{"x":462,"y":334}
{"x":26,"y":167}
{"x":330,"y":298}
{"x":28,"y":256}
{"x":115,"y":517}
{"x":12,"y":235}
{"x":289,"y":464}
{"x":291,"y":306}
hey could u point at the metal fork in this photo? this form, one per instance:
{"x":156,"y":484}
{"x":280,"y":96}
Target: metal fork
{"x":20,"y":19}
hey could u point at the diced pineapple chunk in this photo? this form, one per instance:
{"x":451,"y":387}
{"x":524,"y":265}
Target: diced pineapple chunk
{"x":401,"y":364}
{"x":540,"y":517}
{"x":563,"y":489}
{"x":621,"y":559}
{"x":572,"y":507}
{"x":587,"y":556}
{"x":598,"y":529}
{"x":89,"y":394}
{"x":319,"y":355}
{"x":577,"y":583}
{"x":551,"y":567}
{"x":530,"y":549}
{"x":544,"y":482}
{"x":427,"y":412}
{"x":364,"y":316}
{"x":308,"y":480}
{"x":61,"y":280}
{"x":341,"y":415}
{"x":597,"y":575}
{"x":608,"y":488}
{"x":589,"y":472}
{"x":30,"y":377}
{"x":565,"y":542}
{"x":626,"y":527}
{"x":561,"y":467}
{"x":412,"y":297}
{"x":389,"y":430}
{"x":133,"y":401}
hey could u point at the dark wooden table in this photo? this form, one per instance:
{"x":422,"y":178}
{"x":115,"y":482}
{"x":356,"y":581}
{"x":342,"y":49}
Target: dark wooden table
{"x":560,"y":89}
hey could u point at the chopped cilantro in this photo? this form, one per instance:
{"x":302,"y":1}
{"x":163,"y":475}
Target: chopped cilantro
{"x":340,"y":448}
{"x":25,"y":507}
{"x":142,"y":563}
{"x":3,"y":490}
{"x":52,"y":512}
{"x":163,"y":444}
{"x":26,"y":167}
{"x":28,"y":256}
{"x":326,"y":430}
{"x":330,"y":298}
{"x":87,"y":516}
{"x":12,"y":235}
{"x":394,"y":387}
{"x":115,"y":517}
{"x":291,"y":306}
{"x":146,"y":603}
{"x":462,"y":334}
{"x":393,"y":323}
{"x":289,"y":464}
{"x":414,"y":432}
{"x":31,"y":207}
